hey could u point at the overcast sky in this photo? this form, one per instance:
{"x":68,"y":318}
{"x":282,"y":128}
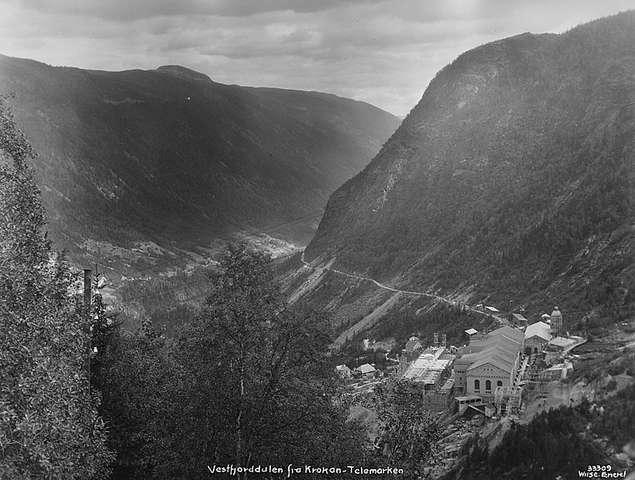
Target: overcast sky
{"x":383,"y":52}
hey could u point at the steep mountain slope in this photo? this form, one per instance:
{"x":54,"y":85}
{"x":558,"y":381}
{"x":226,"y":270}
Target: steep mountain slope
{"x":510,"y":180}
{"x":164,"y":160}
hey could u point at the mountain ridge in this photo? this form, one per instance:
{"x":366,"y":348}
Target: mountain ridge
{"x":171,"y":157}
{"x":509,"y":181}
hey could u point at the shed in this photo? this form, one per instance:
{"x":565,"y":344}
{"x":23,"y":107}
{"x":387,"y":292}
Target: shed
{"x":367,"y":370}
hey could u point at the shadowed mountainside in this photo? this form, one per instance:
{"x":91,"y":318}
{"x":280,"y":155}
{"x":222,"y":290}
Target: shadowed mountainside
{"x":510,"y":181}
{"x":167,"y":160}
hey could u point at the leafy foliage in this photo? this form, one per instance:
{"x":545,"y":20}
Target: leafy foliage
{"x":49,"y":427}
{"x":246,"y":382}
{"x":550,"y":445}
{"x":408,"y":433}
{"x":617,"y":422}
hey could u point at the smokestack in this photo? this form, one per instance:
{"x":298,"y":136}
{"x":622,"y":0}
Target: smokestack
{"x":88,"y":290}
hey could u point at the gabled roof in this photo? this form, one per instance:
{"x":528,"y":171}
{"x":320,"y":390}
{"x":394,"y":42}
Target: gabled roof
{"x":538,"y":329}
{"x":509,"y":332}
{"x":498,"y":348}
{"x":499,"y":361}
{"x":366,"y":368}
{"x":471,"y":331}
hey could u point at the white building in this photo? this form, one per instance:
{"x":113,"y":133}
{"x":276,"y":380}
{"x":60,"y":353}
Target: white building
{"x":489,"y":362}
{"x":537,"y":336}
{"x":343,"y":371}
{"x":366,"y":370}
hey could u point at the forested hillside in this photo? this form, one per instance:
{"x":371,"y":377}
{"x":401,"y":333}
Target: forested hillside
{"x":144,"y":168}
{"x":510,"y":180}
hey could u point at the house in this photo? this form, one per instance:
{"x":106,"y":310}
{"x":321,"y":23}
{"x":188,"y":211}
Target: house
{"x":367,"y":344}
{"x":385,"y":345}
{"x":537,"y":337}
{"x":343,"y":371}
{"x":556,"y":372}
{"x":366,"y":370}
{"x":557,"y":347}
{"x":518,"y":319}
{"x":561,"y":343}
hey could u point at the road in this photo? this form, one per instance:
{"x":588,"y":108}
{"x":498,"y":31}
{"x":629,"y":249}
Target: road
{"x":438,"y":298}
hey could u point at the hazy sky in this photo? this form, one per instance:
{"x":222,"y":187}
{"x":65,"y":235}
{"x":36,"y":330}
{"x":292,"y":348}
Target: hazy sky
{"x":382,"y":52}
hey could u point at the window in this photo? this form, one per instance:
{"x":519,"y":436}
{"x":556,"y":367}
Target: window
{"x":499,"y":383}
{"x":477,"y":386}
{"x":488,"y":386}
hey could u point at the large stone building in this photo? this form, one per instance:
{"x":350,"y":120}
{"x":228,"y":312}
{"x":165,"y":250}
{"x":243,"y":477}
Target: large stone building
{"x":537,"y":336}
{"x":489,"y":362}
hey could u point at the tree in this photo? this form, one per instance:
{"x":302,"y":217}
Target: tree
{"x":257,"y":383}
{"x":49,"y":427}
{"x":408,"y":433}
{"x":140,"y":399}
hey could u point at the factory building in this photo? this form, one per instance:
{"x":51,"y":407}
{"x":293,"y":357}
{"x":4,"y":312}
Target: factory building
{"x":537,"y":337}
{"x":489,"y":362}
{"x":431,"y":371}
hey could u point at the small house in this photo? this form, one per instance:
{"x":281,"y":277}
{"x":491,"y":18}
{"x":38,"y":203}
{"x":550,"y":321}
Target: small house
{"x":343,"y":371}
{"x":366,"y":370}
{"x":518,"y":319}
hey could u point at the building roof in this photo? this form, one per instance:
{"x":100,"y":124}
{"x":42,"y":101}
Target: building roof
{"x":413,"y":344}
{"x":538,"y":329}
{"x":468,"y":397}
{"x":499,"y":348}
{"x":366,"y":368}
{"x":492,"y":309}
{"x":342,"y":368}
{"x":519,"y":317}
{"x":429,"y":366}
{"x":510,"y":332}
{"x":562,"y":342}
{"x":496,"y":357}
{"x":471,"y":331}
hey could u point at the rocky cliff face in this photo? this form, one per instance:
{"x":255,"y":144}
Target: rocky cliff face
{"x":510,"y":180}
{"x":167,"y":160}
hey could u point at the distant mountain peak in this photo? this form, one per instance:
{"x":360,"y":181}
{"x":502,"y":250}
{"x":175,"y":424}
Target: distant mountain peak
{"x":183,"y":72}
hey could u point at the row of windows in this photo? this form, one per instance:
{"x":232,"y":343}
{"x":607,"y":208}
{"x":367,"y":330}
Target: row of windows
{"x":488,"y":385}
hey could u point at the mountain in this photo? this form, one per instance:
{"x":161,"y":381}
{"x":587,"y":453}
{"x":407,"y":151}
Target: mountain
{"x":165,"y":162}
{"x":510,"y":182}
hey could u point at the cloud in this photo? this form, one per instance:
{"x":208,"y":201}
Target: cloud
{"x":125,"y":10}
{"x":381,"y":51}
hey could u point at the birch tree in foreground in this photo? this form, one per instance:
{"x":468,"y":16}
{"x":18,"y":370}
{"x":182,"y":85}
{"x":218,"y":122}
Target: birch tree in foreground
{"x":49,"y":428}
